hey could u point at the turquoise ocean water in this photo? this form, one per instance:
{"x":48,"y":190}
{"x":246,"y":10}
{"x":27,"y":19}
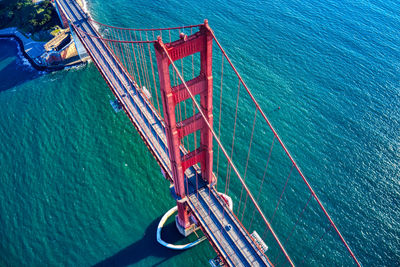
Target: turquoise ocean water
{"x":78,"y":187}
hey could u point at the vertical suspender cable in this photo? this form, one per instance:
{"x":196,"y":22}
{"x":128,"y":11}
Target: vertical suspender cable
{"x":247,"y":160}
{"x":316,"y":243}
{"x":262,"y":181}
{"x":297,"y":221}
{"x":220,"y":111}
{"x":124,"y":64}
{"x":154,"y":77}
{"x":142,"y":54}
{"x":134,"y":55}
{"x":228,"y":171}
{"x":228,"y":158}
{"x":128,"y":53}
{"x":283,"y":192}
{"x":247,"y":163}
{"x":140,"y":64}
{"x":145,"y":68}
{"x":287,"y":153}
{"x":118,"y":48}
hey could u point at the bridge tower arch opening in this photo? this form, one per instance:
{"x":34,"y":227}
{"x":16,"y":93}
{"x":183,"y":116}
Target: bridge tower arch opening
{"x":202,"y":85}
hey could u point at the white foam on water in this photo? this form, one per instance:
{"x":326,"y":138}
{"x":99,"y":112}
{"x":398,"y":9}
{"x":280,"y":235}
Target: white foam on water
{"x":24,"y":61}
{"x":84,"y":2}
{"x":96,"y":26}
{"x":75,"y":67}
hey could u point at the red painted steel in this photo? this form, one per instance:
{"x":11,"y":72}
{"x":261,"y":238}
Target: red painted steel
{"x":228,"y":158}
{"x":200,"y":42}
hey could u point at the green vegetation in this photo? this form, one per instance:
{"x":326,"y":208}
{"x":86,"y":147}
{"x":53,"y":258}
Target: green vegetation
{"x":55,"y":31}
{"x":27,"y":16}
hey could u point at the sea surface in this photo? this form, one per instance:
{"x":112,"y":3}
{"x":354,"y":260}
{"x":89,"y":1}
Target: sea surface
{"x":78,"y":187}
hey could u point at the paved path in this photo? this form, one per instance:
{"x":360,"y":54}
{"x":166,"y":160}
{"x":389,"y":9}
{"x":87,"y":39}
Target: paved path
{"x":32,"y":48}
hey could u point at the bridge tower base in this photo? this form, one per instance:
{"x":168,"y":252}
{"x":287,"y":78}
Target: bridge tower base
{"x":184,"y":231}
{"x":182,"y":220}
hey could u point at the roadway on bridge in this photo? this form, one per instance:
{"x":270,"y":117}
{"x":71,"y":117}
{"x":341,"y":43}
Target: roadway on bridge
{"x":233,"y":243}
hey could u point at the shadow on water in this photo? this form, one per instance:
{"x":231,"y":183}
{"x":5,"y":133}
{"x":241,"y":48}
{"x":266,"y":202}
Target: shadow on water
{"x":3,"y":55}
{"x":13,"y":75}
{"x":146,"y":246}
{"x":13,"y":72}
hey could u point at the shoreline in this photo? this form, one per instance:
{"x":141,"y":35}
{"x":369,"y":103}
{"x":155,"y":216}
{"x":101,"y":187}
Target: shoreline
{"x":12,"y":35}
{"x":33,"y":51}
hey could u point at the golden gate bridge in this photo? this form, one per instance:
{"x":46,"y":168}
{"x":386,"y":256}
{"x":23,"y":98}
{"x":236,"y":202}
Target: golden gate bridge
{"x":164,"y":80}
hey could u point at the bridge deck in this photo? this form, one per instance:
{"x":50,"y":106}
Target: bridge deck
{"x":235,"y":245}
{"x":224,"y":230}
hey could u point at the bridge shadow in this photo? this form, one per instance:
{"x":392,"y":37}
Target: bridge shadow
{"x":147,"y":246}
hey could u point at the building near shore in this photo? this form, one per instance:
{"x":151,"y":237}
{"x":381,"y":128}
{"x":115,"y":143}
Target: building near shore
{"x":63,"y":18}
{"x":60,"y":50}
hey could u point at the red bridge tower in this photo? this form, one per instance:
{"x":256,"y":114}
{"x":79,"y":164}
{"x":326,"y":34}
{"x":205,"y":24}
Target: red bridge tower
{"x":175,"y":131}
